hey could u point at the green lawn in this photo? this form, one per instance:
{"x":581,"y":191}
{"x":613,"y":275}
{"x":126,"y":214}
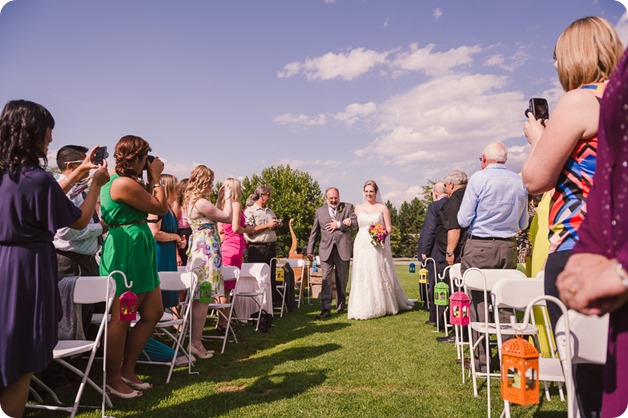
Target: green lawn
{"x":390,"y":366}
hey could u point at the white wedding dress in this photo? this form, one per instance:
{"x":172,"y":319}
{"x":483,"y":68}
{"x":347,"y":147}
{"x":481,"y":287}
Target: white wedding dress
{"x":375,"y":290}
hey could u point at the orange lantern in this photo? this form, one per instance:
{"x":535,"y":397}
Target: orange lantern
{"x":520,"y":372}
{"x":459,"y":308}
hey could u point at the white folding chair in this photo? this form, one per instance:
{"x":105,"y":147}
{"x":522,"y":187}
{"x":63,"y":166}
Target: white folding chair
{"x":484,"y":280}
{"x":167,"y":325}
{"x":228,"y":273}
{"x":252,"y":292}
{"x":588,"y":342}
{"x":515,"y":294}
{"x":87,"y":290}
{"x":564,"y":348}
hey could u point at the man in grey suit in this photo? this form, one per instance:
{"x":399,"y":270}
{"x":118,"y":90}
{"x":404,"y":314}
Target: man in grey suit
{"x":333,"y":222}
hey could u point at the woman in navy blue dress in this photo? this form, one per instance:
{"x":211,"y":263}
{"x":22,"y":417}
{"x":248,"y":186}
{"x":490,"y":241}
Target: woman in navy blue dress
{"x":32,"y":208}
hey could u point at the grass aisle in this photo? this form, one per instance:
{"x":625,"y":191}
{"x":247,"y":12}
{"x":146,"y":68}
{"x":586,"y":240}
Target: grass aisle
{"x":387,"y":367}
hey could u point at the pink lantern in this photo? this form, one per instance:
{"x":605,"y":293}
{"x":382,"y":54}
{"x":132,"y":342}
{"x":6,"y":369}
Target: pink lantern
{"x":128,"y":306}
{"x":459,"y":308}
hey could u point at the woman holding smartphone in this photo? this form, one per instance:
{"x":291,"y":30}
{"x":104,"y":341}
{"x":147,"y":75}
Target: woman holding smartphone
{"x":564,"y":154}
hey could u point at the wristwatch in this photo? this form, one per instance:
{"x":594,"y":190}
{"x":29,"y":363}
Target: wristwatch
{"x":448,"y":254}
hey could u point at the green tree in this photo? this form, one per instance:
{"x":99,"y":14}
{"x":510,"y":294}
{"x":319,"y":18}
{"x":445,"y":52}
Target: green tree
{"x":295,"y":195}
{"x":410,"y":221}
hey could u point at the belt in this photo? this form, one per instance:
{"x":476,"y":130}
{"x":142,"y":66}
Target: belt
{"x":490,"y":238}
{"x":141,"y":221}
{"x":261,"y":244}
{"x":72,"y":254}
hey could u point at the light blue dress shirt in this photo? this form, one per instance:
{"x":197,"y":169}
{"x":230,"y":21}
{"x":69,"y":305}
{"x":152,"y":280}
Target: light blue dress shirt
{"x":495,"y":204}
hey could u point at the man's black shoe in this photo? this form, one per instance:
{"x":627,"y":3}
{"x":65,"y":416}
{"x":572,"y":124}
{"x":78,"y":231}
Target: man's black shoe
{"x":450,"y":339}
{"x":467,"y":362}
{"x":324,"y":314}
{"x":342,"y":310}
{"x":432,"y":323}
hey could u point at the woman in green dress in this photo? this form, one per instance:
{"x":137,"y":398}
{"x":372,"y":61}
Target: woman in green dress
{"x":130,"y":248}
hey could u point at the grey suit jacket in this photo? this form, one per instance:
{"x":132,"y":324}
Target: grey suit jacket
{"x":341,"y":237}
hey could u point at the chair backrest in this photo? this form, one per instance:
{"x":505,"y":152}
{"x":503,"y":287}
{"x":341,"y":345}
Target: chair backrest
{"x":172,"y":280}
{"x":230,"y":272}
{"x":256,"y":270}
{"x":485,"y":279}
{"x":93,"y":289}
{"x":589,"y":337}
{"x":293,"y":262}
{"x":517,"y":293}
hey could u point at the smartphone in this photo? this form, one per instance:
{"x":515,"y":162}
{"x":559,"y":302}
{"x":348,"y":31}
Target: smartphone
{"x":100,"y":155}
{"x":539,"y":108}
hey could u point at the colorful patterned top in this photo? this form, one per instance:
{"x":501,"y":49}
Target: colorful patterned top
{"x":205,"y":257}
{"x":568,"y":206}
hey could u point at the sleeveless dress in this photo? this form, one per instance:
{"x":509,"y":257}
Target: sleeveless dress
{"x":129,"y":248}
{"x":204,"y":255}
{"x":375,"y":289}
{"x":232,"y":249}
{"x":32,"y":208}
{"x":167,"y":256}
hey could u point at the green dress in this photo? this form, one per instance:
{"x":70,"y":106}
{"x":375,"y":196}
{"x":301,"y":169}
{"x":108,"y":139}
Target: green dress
{"x":129,"y":248}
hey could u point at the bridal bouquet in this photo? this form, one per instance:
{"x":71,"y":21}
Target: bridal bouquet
{"x":378,"y":235}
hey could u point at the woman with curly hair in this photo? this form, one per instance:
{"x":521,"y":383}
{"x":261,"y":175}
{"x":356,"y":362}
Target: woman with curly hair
{"x":205,"y":257}
{"x":33,"y":207}
{"x":130,"y":247}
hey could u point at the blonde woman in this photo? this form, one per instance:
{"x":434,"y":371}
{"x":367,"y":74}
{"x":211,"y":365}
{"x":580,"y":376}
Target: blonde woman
{"x":205,"y":257}
{"x":564,"y":154}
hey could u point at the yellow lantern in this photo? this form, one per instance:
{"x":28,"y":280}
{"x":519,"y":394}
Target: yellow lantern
{"x":423,"y":275}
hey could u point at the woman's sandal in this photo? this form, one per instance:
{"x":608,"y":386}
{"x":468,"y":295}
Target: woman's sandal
{"x":198,"y":354}
{"x":138,"y":386}
{"x":131,"y":395}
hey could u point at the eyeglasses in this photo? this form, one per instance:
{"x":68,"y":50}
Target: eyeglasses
{"x":480,"y":158}
{"x":74,"y":162}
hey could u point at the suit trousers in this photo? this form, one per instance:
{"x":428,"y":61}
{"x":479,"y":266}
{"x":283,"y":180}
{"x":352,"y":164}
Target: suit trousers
{"x":487,"y":254}
{"x":341,"y":277}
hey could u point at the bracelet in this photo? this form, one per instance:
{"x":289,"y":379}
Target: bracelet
{"x":69,"y":182}
{"x":157,"y":185}
{"x":621,"y":272}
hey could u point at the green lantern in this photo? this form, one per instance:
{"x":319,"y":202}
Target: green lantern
{"x":205,"y":292}
{"x":441,"y":294}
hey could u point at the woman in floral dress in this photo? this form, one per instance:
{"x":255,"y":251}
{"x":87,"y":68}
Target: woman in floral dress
{"x":204,"y":256}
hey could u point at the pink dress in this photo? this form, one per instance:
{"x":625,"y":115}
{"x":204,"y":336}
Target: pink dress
{"x":232,"y":248}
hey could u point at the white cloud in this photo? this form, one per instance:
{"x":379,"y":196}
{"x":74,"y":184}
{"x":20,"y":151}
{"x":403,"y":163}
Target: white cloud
{"x":508,"y":63}
{"x":432,"y":63}
{"x":438,"y":12}
{"x":463,"y":111}
{"x":329,"y":1}
{"x":289,"y":118}
{"x":355,"y":111}
{"x":622,"y":28}
{"x":346,"y":66}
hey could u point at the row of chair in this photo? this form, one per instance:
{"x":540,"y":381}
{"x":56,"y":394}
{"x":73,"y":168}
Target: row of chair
{"x":578,"y":338}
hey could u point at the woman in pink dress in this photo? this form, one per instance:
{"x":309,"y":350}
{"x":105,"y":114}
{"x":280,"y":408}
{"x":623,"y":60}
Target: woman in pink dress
{"x":231,"y":235}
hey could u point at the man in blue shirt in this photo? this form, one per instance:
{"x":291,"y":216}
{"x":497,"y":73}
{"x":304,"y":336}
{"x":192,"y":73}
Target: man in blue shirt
{"x":494,"y":208}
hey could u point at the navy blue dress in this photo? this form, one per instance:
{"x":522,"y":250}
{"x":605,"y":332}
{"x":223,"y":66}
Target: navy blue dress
{"x":167,"y":257}
{"x":31,"y":210}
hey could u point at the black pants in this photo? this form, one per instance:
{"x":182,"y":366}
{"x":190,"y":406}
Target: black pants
{"x":589,"y":378}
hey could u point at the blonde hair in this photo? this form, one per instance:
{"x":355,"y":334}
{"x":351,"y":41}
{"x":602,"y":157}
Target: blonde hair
{"x":199,"y":185}
{"x":170,"y":187}
{"x":587,"y":51}
{"x":236,"y":191}
{"x":370,"y":183}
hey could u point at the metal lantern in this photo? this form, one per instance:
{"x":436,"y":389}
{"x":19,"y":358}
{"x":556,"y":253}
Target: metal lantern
{"x":423,"y":275}
{"x":412,"y":267}
{"x":205,"y":292}
{"x":441,"y":294}
{"x":315,"y":267}
{"x":128,"y":306}
{"x":459,"y":308}
{"x":520,"y":372}
{"x":279,"y":271}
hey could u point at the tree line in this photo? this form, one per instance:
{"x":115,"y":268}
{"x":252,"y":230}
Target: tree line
{"x":296,"y":195}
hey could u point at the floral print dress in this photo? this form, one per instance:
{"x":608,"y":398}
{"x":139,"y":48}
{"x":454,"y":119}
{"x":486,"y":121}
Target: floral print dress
{"x":204,"y":256}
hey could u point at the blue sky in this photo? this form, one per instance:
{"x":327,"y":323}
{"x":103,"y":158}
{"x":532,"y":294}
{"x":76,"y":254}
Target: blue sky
{"x":347,"y":90}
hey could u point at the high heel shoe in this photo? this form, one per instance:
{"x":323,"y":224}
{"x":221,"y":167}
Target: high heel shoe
{"x":138,"y":386}
{"x":198,"y":354}
{"x":131,"y":395}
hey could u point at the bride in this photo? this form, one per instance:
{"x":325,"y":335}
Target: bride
{"x":375,"y":288}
